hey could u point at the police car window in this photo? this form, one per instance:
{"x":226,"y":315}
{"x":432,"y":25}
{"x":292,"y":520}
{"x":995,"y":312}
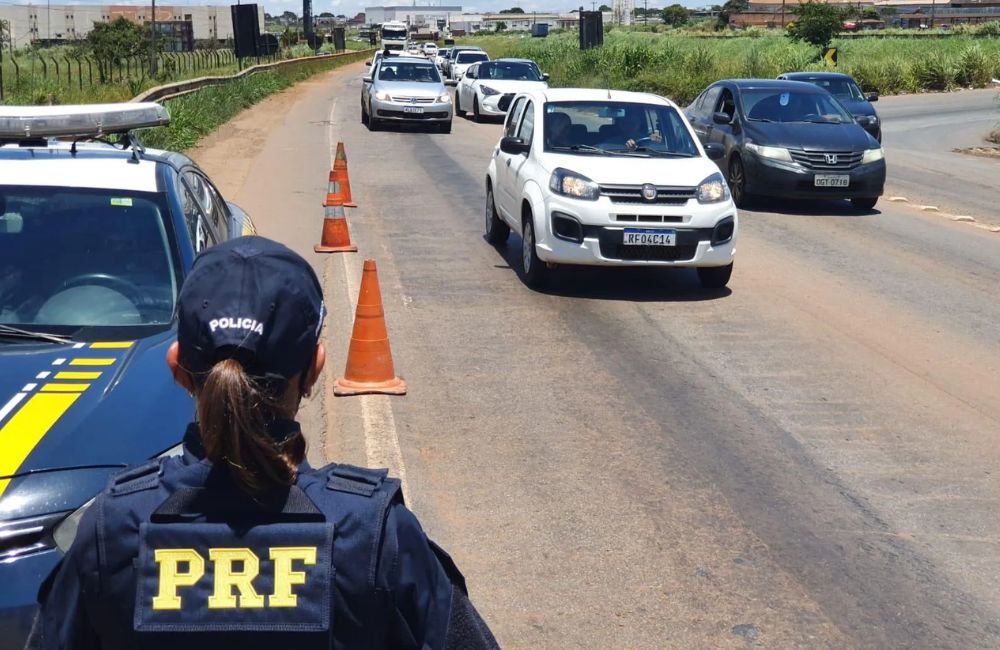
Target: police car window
{"x":209,"y":201}
{"x":73,"y":258}
{"x":201,"y":234}
{"x":527,"y":130}
{"x":513,"y":117}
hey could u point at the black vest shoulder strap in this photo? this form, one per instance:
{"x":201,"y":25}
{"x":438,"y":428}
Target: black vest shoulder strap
{"x":356,"y":480}
{"x":134,"y":479}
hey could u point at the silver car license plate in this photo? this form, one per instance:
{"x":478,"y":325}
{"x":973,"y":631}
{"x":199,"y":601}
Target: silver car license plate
{"x":649,"y":237}
{"x":832,"y":180}
{"x":413,"y":109}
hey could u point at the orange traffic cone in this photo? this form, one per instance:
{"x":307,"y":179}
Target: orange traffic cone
{"x":340,"y":173}
{"x":369,"y":359}
{"x":336,"y":238}
{"x":335,"y":191}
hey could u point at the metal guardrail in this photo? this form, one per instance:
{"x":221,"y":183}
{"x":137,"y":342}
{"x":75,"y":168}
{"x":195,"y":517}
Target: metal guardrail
{"x":180,"y":88}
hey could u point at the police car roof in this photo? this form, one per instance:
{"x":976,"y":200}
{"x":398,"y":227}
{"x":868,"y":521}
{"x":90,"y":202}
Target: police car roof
{"x":94,"y":166}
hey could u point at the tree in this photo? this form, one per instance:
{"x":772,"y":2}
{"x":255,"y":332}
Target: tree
{"x":816,"y":23}
{"x":289,"y":16}
{"x":501,"y":26}
{"x":727,"y":10}
{"x":326,"y":14}
{"x":675,"y":15}
{"x":604,"y":8}
{"x":113,"y":42}
{"x":512,"y":10}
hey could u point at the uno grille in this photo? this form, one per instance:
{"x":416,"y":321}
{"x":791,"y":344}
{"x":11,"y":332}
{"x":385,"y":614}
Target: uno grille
{"x":648,"y":218}
{"x":816,"y":160}
{"x":665,"y":194}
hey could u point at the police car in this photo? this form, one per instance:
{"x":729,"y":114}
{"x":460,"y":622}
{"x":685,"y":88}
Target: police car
{"x":96,"y":236}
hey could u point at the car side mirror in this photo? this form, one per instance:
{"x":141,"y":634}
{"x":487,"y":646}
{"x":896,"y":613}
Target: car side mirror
{"x":715,"y":151}
{"x":368,"y":63}
{"x":545,"y":76}
{"x":241,"y":221}
{"x":872,"y":97}
{"x":366,"y":80}
{"x":721,"y":118}
{"x":450,"y":82}
{"x":514,"y":146}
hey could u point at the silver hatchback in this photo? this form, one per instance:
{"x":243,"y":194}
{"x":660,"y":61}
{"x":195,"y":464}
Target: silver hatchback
{"x":405,"y":89}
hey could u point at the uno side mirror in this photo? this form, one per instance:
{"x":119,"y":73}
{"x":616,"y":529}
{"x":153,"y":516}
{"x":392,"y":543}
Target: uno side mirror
{"x":514,"y":146}
{"x":545,"y":76}
{"x":366,"y":80}
{"x":450,"y":82}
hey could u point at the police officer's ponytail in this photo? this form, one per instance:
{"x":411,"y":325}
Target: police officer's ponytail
{"x":235,"y":411}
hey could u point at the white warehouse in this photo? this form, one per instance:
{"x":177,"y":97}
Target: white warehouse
{"x":30,"y":23}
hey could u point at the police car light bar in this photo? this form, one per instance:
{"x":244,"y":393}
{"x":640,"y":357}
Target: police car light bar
{"x":84,"y":120}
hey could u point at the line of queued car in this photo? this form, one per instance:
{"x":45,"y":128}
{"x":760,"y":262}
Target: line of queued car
{"x":611,"y":178}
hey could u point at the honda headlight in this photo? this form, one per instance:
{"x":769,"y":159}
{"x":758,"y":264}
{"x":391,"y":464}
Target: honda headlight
{"x":65,"y":531}
{"x":573,"y":185}
{"x":487,"y":91}
{"x":774,"y":153}
{"x":382,"y":95}
{"x":872,"y":155}
{"x":713,"y":189}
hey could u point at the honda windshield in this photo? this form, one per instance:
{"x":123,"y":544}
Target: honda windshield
{"x":617,"y":128}
{"x":75,"y":258}
{"x":782,"y":105}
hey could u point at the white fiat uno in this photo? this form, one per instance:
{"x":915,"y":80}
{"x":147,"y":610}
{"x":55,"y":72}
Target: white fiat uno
{"x":610,"y":178}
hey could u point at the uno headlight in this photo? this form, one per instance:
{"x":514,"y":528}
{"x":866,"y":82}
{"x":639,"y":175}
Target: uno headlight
{"x":487,"y":91}
{"x":774,"y":153}
{"x":872,"y":155}
{"x":713,"y":189}
{"x":381,"y":95}
{"x":65,"y":531}
{"x":573,"y":185}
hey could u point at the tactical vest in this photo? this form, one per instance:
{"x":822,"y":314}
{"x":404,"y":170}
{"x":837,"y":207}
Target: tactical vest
{"x":187,"y":563}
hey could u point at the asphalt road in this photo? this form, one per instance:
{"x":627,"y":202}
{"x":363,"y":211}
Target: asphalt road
{"x":921,"y":134}
{"x":807,"y":459}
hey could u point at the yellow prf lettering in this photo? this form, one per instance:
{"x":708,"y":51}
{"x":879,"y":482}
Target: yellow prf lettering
{"x":171,"y":577}
{"x":285,"y":577}
{"x":226,"y":578}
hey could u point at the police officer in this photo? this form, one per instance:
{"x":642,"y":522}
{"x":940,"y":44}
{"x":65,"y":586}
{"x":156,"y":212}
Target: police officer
{"x":238,"y":543}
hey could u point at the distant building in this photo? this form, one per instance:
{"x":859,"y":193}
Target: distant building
{"x":894,"y":13}
{"x":472,"y":23}
{"x":38,"y":24}
{"x":417,"y":17}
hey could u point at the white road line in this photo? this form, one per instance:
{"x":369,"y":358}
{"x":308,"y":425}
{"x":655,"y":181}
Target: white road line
{"x":381,"y":437}
{"x":9,"y":406}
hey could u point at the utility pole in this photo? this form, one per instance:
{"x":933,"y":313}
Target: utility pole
{"x":645,"y":13}
{"x":152,"y":42}
{"x":782,"y":14}
{"x":933,"y":7}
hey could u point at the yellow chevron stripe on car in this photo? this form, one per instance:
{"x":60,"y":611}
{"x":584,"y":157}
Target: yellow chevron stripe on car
{"x":91,"y":362}
{"x":64,"y":388}
{"x":27,"y":427}
{"x":111,"y":345}
{"x":69,"y":374}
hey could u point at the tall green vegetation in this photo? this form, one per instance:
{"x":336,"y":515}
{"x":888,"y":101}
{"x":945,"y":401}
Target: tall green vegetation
{"x":679,"y":64}
{"x":111,"y":43}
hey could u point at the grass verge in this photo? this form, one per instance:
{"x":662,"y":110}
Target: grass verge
{"x":194,"y":116}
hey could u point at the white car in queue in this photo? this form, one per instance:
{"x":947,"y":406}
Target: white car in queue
{"x":462,"y":60}
{"x":487,"y":88}
{"x":608,"y":178}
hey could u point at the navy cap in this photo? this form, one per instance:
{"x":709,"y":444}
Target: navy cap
{"x":252,"y":299}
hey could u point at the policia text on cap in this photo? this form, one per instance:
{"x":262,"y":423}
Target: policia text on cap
{"x":238,"y":543}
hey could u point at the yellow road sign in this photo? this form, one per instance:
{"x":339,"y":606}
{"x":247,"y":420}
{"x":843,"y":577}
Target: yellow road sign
{"x":830,"y":55}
